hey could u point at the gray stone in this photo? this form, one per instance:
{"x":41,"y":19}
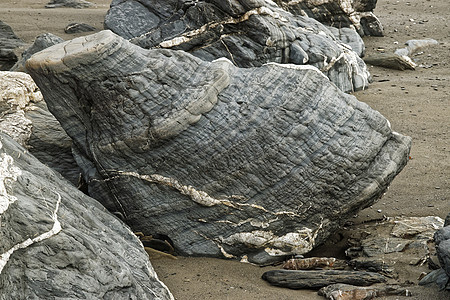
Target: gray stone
{"x":41,"y":42}
{"x":25,"y":117}
{"x":222,"y":161}
{"x":350,"y":37}
{"x":356,"y":14}
{"x":8,"y":42}
{"x":78,"y":27}
{"x":69,"y":3}
{"x":57,"y":243}
{"x":250,"y":33}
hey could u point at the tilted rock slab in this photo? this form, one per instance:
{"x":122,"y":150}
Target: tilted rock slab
{"x":248,"y":32}
{"x":57,"y":243}
{"x":356,"y":14}
{"x":26,"y":118}
{"x":221,"y":160}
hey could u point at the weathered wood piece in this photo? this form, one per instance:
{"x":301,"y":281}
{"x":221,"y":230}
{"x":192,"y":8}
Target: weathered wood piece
{"x":250,"y":33}
{"x":309,"y":263}
{"x":349,"y":292}
{"x":56,"y":242}
{"x":223,"y":161}
{"x":316,"y":279}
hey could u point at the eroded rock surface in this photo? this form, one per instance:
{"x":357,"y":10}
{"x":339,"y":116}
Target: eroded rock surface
{"x":25,"y":117}
{"x":356,"y":14}
{"x":55,"y":242}
{"x":222,"y":161}
{"x":250,"y":33}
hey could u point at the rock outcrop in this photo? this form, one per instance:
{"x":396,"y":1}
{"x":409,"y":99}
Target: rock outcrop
{"x":250,"y":33}
{"x":356,"y":14}
{"x":25,"y":117}
{"x":55,"y":242}
{"x":8,"y":42}
{"x":220,"y":160}
{"x":41,"y":42}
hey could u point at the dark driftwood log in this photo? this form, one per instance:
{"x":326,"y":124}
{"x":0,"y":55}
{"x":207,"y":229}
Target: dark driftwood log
{"x":298,"y":279}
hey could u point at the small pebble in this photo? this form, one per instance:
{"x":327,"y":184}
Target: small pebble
{"x":379,"y":210}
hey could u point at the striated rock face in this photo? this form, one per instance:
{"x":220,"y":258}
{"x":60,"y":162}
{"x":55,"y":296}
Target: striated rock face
{"x":356,"y":14}
{"x":221,"y":160}
{"x":41,"y":42}
{"x":8,"y":42}
{"x":250,"y":33}
{"x":55,"y":242}
{"x":25,"y":117}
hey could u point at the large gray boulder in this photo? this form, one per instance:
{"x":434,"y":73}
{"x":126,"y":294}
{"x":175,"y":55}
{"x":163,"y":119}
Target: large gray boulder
{"x":8,"y":43}
{"x":356,"y":14}
{"x":248,"y":32}
{"x":220,"y":160}
{"x":57,"y":243}
{"x":26,"y":118}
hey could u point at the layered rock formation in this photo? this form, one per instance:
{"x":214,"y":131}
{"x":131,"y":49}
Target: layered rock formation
{"x":25,"y":117}
{"x":248,"y":32}
{"x":222,"y":161}
{"x":55,"y":242}
{"x":357,"y":14}
{"x":8,"y":42}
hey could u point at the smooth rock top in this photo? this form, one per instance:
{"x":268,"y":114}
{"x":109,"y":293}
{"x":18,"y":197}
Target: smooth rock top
{"x":249,"y":33}
{"x":57,"y":243}
{"x":222,"y":161}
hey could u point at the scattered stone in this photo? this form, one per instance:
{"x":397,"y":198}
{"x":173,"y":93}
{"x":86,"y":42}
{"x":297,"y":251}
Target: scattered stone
{"x":350,"y":292}
{"x":413,"y":46}
{"x":8,"y":42}
{"x":315,"y":279}
{"x":25,"y":117}
{"x":78,"y":27}
{"x":41,"y":42}
{"x":249,"y":33}
{"x":56,"y":242}
{"x":391,"y":61}
{"x":69,"y":3}
{"x":377,"y":246}
{"x":220,"y":166}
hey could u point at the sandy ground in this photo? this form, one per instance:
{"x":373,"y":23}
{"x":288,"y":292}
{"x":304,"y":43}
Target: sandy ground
{"x":417,"y":103}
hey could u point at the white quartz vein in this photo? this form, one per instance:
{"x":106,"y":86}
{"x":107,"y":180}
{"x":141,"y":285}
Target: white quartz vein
{"x":55,"y":229}
{"x":198,"y":196}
